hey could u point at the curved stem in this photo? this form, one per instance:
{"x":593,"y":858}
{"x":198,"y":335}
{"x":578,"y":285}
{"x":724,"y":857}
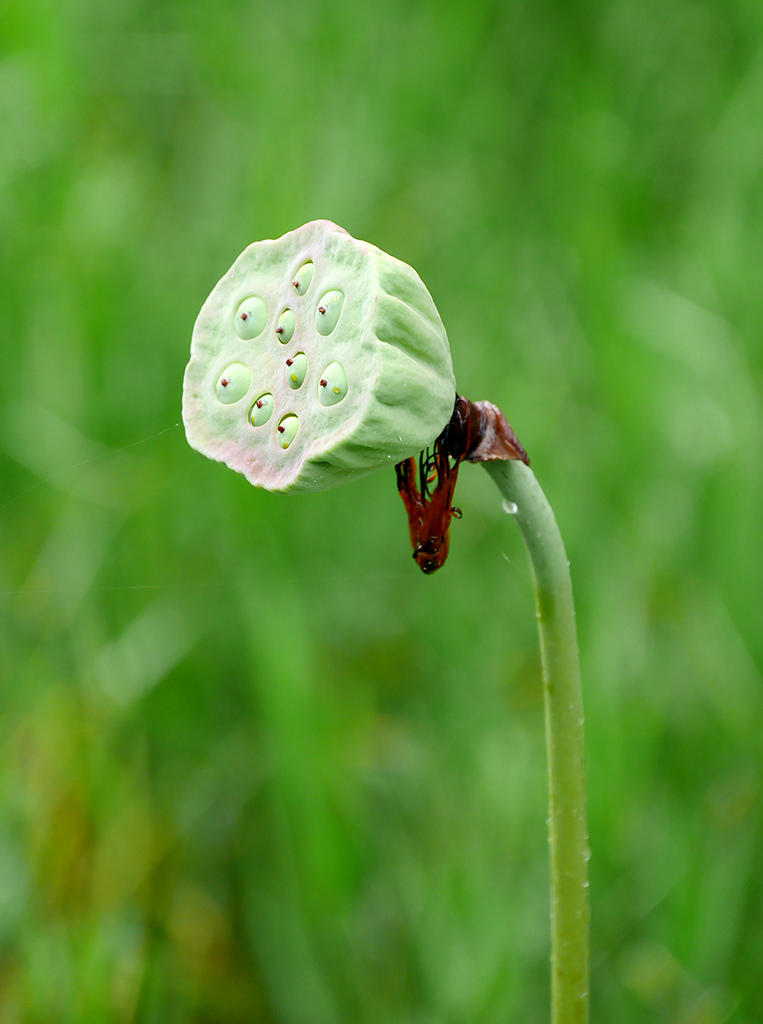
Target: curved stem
{"x":568,"y":832}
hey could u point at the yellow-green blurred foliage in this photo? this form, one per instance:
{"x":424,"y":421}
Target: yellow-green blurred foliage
{"x":254,"y":767}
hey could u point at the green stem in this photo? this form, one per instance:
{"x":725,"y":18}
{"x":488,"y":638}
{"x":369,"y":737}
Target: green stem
{"x":568,"y":832}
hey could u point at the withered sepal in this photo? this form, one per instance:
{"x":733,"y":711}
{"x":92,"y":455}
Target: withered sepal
{"x":479,"y":432}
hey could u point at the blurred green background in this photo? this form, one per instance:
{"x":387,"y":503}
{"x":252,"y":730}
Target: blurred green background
{"x":254,"y":766}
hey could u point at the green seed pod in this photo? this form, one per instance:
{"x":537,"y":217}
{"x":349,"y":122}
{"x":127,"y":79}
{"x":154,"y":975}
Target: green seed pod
{"x":380,"y":345}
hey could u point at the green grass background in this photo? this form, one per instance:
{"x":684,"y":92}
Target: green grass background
{"x":254,"y":766}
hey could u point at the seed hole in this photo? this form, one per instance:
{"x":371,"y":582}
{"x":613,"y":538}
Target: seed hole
{"x":303,"y":277}
{"x":295,"y":378}
{"x":327,"y":312}
{"x":332,"y":386}
{"x":262,"y":410}
{"x":286,"y":326}
{"x":233,"y":383}
{"x":251,"y":317}
{"x":287,"y":429}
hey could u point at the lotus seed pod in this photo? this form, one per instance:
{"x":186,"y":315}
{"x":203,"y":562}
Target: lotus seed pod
{"x":360,"y":321}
